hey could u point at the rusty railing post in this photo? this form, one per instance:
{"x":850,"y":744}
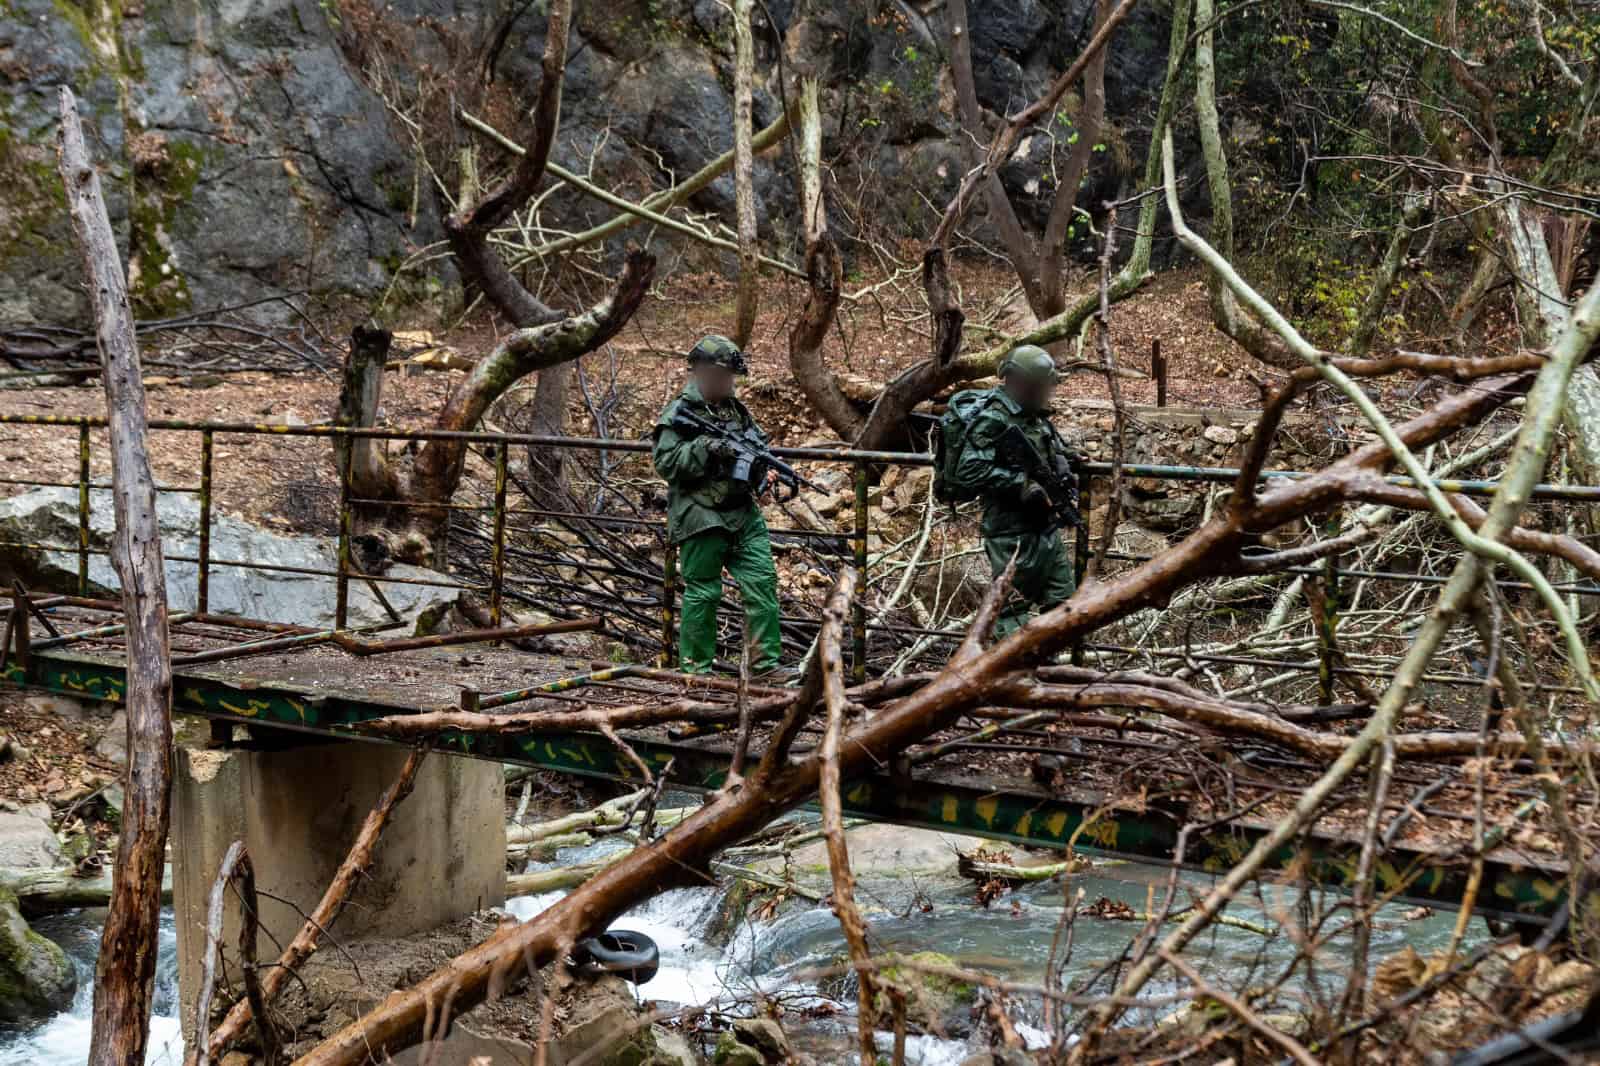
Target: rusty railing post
{"x":83,"y":509}
{"x":858,"y":609}
{"x":669,"y":580}
{"x":498,"y":564}
{"x":341,"y":609}
{"x":1158,"y":370}
{"x":1327,"y":632}
{"x":202,"y":596}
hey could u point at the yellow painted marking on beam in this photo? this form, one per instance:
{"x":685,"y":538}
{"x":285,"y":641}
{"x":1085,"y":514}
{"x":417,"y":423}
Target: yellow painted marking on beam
{"x":1057,"y":825}
{"x":1024,"y":824}
{"x":1103,"y":832}
{"x":949,"y":811}
{"x":251,"y":708}
{"x":860,"y":794}
{"x":1388,"y":875}
{"x":298,"y":707}
{"x":985,"y":809}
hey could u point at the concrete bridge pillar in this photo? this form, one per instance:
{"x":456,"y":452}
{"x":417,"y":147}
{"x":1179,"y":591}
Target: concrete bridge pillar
{"x":441,"y":857}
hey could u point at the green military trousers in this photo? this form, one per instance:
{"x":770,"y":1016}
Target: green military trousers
{"x":747,"y":557}
{"x":1045,"y":575}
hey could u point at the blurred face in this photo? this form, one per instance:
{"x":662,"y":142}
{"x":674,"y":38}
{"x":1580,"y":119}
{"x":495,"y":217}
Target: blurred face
{"x":716,"y":382}
{"x":1032,"y":394}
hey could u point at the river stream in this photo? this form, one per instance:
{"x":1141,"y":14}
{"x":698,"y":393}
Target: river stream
{"x":1011,"y":938}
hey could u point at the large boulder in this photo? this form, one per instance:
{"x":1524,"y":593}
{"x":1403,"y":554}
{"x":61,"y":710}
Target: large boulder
{"x":888,"y":852}
{"x":26,"y":839}
{"x":601,"y":1013}
{"x":212,"y":120}
{"x":36,"y":977}
{"x":50,"y":516}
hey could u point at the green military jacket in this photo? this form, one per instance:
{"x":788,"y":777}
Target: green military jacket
{"x":980,"y":468}
{"x":700,"y":496}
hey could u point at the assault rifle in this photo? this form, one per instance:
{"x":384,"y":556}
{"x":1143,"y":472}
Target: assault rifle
{"x":1059,"y":479}
{"x":752,"y":459}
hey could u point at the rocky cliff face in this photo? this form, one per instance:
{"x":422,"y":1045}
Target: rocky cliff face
{"x":247,"y":153}
{"x":242,"y":155}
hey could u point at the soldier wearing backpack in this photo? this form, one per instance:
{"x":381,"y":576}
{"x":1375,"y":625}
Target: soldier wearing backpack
{"x":997,"y":445}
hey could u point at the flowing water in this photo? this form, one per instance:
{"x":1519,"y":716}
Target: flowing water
{"x":1011,"y":939}
{"x":64,"y":1039}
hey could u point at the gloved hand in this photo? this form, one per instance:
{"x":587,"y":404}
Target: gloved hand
{"x":1034,"y":495}
{"x":1066,"y":464}
{"x":720,"y":449}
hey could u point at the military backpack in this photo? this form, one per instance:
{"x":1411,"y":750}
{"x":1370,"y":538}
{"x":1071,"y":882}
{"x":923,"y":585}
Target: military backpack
{"x":950,"y":441}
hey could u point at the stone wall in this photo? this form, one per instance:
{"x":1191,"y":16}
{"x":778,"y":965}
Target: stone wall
{"x":1194,"y":436}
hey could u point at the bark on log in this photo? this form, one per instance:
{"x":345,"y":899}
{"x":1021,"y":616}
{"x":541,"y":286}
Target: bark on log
{"x":359,"y":397}
{"x":829,"y":786}
{"x":236,"y":865}
{"x":125,"y":970}
{"x":632,"y":716}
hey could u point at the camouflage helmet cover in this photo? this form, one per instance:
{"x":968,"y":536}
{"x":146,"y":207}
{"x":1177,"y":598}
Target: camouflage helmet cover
{"x":720,"y":351}
{"x":1030,"y":361}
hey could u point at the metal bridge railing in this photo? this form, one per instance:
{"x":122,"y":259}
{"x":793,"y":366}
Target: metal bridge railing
{"x":860,"y":463}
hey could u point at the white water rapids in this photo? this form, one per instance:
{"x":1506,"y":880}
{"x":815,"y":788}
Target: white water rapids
{"x":1011,"y":938}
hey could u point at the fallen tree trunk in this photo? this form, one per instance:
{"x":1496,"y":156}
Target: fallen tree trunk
{"x":125,"y":970}
{"x":633,"y":716}
{"x":542,"y":881}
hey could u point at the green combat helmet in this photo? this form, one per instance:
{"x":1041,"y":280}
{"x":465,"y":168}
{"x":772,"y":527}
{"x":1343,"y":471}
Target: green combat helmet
{"x":720,"y":351}
{"x":1030,"y":361}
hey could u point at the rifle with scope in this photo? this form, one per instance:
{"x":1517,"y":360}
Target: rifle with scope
{"x":752,"y":459}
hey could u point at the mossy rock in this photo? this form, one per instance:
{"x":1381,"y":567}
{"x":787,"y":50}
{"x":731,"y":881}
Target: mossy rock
{"x":732,"y":909}
{"x":731,"y":1052}
{"x":929,"y":997}
{"x":36,"y":977}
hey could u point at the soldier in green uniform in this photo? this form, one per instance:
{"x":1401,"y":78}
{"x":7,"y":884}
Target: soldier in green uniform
{"x":715,"y":523}
{"x":1016,"y":507}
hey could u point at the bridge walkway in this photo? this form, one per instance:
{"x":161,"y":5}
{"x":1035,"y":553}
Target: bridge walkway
{"x":1127,"y":791}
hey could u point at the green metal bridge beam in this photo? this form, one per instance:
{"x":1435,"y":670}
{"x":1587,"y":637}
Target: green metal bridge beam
{"x":1511,"y":890}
